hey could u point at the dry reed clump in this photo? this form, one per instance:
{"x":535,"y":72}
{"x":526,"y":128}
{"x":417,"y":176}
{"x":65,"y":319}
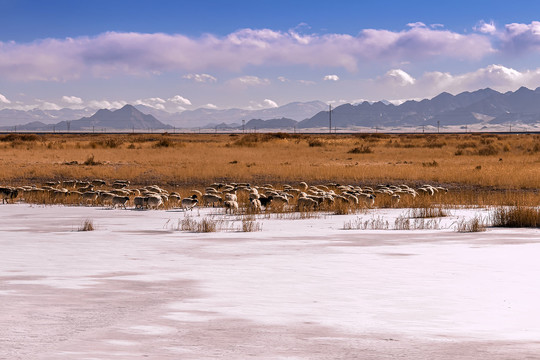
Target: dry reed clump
{"x":205,"y":225}
{"x":476,"y":224}
{"x":516,"y":217}
{"x":250,"y":225}
{"x":370,"y":224}
{"x":87,"y":225}
{"x":429,"y":211}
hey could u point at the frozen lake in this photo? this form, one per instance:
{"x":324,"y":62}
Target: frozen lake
{"x":137,"y":287}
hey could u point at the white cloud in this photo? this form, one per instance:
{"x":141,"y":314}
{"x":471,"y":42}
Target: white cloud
{"x":114,"y":53}
{"x":306,"y":82}
{"x":399,"y":77}
{"x":519,"y":38}
{"x":283,"y":79}
{"x":4,"y":100}
{"x":331,"y":78}
{"x":179,"y":100}
{"x":72,"y":100}
{"x":155,"y":102}
{"x":418,"y":24}
{"x":210,"y":106}
{"x":497,"y":77}
{"x":270,"y":103}
{"x":485,"y":28}
{"x":105,"y":104}
{"x":46,"y":105}
{"x":201,"y":78}
{"x":249,"y":81}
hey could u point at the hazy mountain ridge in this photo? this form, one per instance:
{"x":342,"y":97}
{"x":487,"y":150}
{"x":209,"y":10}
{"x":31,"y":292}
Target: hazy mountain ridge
{"x":126,"y":118}
{"x":483,"y":107}
{"x":208,"y":118}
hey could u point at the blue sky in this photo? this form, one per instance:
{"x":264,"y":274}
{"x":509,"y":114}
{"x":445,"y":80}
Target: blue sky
{"x":176,"y":55}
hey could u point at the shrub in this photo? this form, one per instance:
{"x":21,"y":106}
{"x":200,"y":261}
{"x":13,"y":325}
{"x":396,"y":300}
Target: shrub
{"x":430,"y":164}
{"x":488,"y":150}
{"x":315,"y":143}
{"x":163,"y":143}
{"x":91,"y":162}
{"x":19,"y":137}
{"x":361,"y":150}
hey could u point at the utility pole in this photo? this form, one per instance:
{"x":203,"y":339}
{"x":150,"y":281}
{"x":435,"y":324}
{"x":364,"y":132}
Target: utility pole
{"x":330,"y":117}
{"x":438,"y":126}
{"x":243,"y":126}
{"x":68,"y":123}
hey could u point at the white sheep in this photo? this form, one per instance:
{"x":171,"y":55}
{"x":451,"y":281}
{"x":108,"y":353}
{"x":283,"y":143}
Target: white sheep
{"x":189,"y":203}
{"x":154,"y":201}
{"x":210,"y":198}
{"x":120,"y":201}
{"x":230,"y":205}
{"x":140,"y":202}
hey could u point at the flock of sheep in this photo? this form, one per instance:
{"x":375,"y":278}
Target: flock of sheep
{"x":230,"y":196}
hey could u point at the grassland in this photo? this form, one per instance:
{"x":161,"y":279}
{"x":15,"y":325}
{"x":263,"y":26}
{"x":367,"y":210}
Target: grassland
{"x":509,"y":162}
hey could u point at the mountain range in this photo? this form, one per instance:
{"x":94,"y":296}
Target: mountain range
{"x":482,"y":107}
{"x":126,"y":118}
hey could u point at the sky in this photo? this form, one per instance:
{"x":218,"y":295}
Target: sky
{"x":183,"y":55}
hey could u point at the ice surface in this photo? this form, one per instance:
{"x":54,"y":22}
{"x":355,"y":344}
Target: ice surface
{"x":297,"y":289}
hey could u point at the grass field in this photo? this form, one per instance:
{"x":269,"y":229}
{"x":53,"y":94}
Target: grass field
{"x":466,"y":160}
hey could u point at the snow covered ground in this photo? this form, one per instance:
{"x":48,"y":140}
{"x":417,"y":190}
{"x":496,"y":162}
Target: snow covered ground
{"x":137,"y":287}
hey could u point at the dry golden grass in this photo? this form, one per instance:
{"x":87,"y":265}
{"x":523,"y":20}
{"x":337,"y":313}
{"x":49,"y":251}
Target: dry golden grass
{"x":487,"y":161}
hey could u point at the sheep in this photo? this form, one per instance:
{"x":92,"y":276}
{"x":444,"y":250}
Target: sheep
{"x":140,"y":202}
{"x":211,"y":199}
{"x":8,"y":193}
{"x":255,"y":204}
{"x":369,"y":199}
{"x":189,"y":203}
{"x":305,"y":204}
{"x":154,"y":201}
{"x":98,"y":182}
{"x":174,"y":199}
{"x":106,"y":197}
{"x":279,"y":201}
{"x":230,"y":205}
{"x":197,"y":192}
{"x":119,"y":192}
{"x":119,"y":185}
{"x":231,"y":196}
{"x":120,"y":200}
{"x":69,"y":183}
{"x":89,"y":197}
{"x":395,"y":199}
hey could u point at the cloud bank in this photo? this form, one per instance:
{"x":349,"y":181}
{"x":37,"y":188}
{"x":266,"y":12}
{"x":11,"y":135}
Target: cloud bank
{"x":497,"y":77}
{"x":113,"y":53}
